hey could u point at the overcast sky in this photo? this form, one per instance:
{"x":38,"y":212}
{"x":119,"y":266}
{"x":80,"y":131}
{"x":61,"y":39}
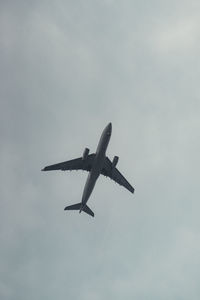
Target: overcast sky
{"x":67,"y":68}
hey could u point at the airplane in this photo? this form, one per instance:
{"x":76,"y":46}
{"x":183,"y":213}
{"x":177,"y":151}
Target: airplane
{"x":96,"y":164}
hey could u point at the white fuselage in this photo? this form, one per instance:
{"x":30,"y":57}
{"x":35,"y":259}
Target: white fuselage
{"x":97,"y":165}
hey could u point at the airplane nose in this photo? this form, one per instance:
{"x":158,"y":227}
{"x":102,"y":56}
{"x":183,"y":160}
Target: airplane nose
{"x":110,"y":126}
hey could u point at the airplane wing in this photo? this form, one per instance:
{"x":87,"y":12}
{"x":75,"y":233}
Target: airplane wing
{"x":115,"y":175}
{"x":74,"y":164}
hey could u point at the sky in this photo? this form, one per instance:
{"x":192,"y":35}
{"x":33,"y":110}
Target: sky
{"x":68,"y":68}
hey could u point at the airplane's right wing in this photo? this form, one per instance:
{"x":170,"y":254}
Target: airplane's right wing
{"x":74,"y":164}
{"x":115,"y":175}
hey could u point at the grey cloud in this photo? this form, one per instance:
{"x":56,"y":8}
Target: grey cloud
{"x":67,"y":69}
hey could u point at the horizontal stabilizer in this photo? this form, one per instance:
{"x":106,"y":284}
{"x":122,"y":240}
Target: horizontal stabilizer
{"x":88,"y":211}
{"x":73,"y":207}
{"x":79,"y":206}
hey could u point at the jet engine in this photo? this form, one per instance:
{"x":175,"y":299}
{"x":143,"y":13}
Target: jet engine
{"x":115,"y":161}
{"x":85,"y":153}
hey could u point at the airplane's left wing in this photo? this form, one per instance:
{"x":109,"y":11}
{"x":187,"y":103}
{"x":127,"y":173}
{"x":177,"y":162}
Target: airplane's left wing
{"x":74,"y":164}
{"x":115,"y":175}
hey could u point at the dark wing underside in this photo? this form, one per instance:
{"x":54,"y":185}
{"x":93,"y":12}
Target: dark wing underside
{"x":74,"y":164}
{"x":115,"y":175}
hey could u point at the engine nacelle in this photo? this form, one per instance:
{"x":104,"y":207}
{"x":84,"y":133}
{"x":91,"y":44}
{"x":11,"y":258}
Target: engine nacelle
{"x":115,"y":161}
{"x":85,"y":153}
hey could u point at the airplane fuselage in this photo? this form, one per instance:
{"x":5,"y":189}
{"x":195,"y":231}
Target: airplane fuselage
{"x":98,"y":164}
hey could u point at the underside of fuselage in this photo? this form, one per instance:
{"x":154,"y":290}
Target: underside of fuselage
{"x":98,"y":163}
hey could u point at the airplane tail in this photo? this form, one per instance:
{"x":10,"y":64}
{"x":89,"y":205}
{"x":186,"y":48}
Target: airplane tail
{"x":80,"y":207}
{"x":88,"y":211}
